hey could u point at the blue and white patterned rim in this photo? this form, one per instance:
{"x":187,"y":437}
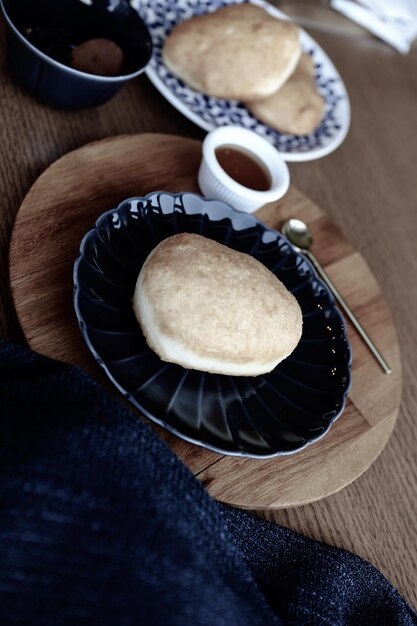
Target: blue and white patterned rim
{"x":208,"y":112}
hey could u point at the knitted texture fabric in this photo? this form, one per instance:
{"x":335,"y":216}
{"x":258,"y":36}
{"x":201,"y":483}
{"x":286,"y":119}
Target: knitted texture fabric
{"x":101,"y":524}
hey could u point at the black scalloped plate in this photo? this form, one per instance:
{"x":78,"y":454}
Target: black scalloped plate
{"x":275,"y":414}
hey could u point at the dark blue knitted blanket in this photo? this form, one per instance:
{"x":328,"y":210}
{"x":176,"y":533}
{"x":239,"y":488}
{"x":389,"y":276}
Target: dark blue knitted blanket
{"x":102,"y":525}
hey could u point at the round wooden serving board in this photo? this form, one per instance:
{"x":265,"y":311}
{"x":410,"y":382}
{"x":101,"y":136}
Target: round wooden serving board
{"x":65,"y":202}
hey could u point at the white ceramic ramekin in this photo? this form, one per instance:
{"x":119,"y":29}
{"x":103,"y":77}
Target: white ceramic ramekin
{"x":214,"y":183}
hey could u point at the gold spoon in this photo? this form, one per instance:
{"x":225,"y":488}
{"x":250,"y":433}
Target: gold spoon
{"x":298,"y":233}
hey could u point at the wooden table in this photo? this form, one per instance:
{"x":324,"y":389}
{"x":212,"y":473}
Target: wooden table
{"x":368,"y":187}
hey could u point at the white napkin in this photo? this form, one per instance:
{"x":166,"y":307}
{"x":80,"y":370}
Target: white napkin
{"x":394,"y":21}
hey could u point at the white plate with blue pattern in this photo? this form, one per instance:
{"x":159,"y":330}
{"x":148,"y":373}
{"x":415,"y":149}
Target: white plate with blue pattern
{"x":208,"y":112}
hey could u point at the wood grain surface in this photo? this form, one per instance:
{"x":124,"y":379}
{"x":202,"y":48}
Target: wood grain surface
{"x":64,"y":204}
{"x":367,"y":187}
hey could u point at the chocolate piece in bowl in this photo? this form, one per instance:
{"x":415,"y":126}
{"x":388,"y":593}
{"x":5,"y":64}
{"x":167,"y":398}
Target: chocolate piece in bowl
{"x":207,"y":307}
{"x":100,"y":56}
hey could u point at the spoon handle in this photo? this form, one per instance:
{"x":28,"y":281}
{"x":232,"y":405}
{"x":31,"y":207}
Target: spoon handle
{"x":348,"y":312}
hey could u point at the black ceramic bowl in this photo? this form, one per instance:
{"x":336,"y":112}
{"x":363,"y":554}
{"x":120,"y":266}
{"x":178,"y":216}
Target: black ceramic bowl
{"x":52,"y":81}
{"x":274,"y":414}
